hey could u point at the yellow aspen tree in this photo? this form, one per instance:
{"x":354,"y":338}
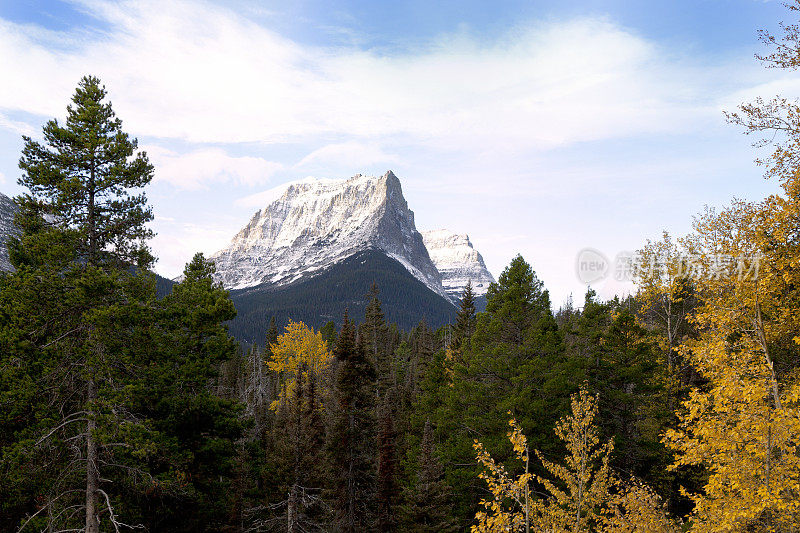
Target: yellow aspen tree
{"x":778,"y":122}
{"x":744,"y":425}
{"x":660,"y":277}
{"x":667,"y":299}
{"x":578,"y":493}
{"x":511,"y":507}
{"x":580,"y":489}
{"x":297,"y":346}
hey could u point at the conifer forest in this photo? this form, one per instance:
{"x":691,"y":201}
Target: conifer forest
{"x":127,"y":406}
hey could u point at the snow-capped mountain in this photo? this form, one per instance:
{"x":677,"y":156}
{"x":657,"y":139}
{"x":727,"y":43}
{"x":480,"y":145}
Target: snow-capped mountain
{"x":312,"y":224}
{"x":8,"y":209}
{"x":457,"y":262}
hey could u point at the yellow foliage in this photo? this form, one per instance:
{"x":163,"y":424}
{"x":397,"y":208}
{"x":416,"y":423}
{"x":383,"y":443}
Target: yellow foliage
{"x":635,"y":508}
{"x":744,"y":426}
{"x":661,"y":273}
{"x":511,"y":508}
{"x":584,"y":476}
{"x":578,"y":494}
{"x":658,"y":270}
{"x":299,"y":346}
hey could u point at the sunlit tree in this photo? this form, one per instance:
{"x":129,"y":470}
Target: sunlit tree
{"x":298,"y":346}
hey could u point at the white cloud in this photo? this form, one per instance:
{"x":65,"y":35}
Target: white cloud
{"x":20,"y":128}
{"x":176,"y":243}
{"x":202,"y":73}
{"x":351,"y":153}
{"x":199,"y":168}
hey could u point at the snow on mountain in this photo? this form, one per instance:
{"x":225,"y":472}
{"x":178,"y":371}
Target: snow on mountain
{"x":8,"y":209}
{"x":457,"y":261}
{"x":309,"y":225}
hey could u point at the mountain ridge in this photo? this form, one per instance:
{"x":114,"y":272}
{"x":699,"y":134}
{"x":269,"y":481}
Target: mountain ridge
{"x":324,"y":296}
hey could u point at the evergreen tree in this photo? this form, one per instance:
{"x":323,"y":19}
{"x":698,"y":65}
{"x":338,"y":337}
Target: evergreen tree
{"x":591,"y":326}
{"x":329,"y":334}
{"x":278,"y":472}
{"x":423,"y":342}
{"x":310,"y":479}
{"x":627,"y":378}
{"x":466,"y":319}
{"x":516,"y":363}
{"x":388,"y":490}
{"x":82,"y":177}
{"x":313,"y":441}
{"x":619,"y":360}
{"x":518,"y":310}
{"x":82,"y":230}
{"x":373,"y":331}
{"x":423,"y":347}
{"x":194,"y":430}
{"x":518,"y":354}
{"x":271,"y":338}
{"x":125,"y":426}
{"x":566,"y":313}
{"x":350,"y":437}
{"x":567,"y":318}
{"x":427,"y":502}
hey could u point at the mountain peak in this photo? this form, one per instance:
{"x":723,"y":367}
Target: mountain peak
{"x":457,"y":261}
{"x":309,"y":224}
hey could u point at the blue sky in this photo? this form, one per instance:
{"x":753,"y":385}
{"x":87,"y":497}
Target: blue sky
{"x":538,"y":128}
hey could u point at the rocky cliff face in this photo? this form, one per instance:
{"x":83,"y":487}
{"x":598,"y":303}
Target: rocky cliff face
{"x":8,"y":209}
{"x":457,"y":262}
{"x":312,"y":224}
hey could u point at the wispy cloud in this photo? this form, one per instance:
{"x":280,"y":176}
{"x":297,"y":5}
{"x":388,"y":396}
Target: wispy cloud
{"x":200,"y":168}
{"x":16,"y":126}
{"x":177,"y":242}
{"x":348,"y":153}
{"x":198,"y":72}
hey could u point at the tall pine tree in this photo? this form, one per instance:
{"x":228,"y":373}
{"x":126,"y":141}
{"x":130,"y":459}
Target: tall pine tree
{"x":387,"y":486}
{"x":373,"y":332}
{"x":427,"y":506}
{"x":83,"y":229}
{"x":466,"y":319}
{"x":194,"y":431}
{"x":515,"y":362}
{"x":351,"y":434}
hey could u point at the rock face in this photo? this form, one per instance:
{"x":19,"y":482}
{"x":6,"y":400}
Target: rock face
{"x":313,"y":224}
{"x":457,"y":262}
{"x":8,"y":209}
